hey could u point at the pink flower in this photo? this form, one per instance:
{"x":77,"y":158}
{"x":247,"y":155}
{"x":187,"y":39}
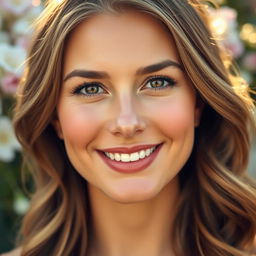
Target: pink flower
{"x":234,"y":45}
{"x":23,"y":42}
{"x":249,"y":62}
{"x":9,"y":83}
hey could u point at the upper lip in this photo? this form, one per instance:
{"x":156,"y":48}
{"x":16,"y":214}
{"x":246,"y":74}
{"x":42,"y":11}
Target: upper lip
{"x":128,"y":150}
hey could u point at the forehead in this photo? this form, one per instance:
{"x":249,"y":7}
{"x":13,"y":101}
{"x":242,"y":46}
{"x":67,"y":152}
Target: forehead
{"x":130,"y":35}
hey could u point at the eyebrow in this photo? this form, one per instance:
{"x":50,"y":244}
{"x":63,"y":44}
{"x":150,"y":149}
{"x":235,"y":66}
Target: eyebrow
{"x":158,"y":66}
{"x":141,"y":71}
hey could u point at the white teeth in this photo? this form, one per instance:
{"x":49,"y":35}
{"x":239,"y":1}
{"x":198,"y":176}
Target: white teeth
{"x":130,"y":157}
{"x":148,"y":152}
{"x":134,"y":156}
{"x":117,"y":157}
{"x":142,"y":154}
{"x":125,"y":157}
{"x":111,"y":156}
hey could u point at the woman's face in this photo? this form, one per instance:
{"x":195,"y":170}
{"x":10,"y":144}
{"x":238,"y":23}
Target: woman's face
{"x":127,"y":111}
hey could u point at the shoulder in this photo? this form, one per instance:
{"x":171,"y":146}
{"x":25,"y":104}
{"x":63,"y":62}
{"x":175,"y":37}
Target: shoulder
{"x":16,"y":252}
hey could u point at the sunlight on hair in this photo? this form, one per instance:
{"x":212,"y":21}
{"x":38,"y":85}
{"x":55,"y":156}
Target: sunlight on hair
{"x":58,"y":1}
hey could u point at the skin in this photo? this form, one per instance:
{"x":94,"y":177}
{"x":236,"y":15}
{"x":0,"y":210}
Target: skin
{"x":125,"y":208}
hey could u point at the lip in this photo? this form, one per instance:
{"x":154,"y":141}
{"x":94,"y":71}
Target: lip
{"x":128,"y":150}
{"x":130,"y":167}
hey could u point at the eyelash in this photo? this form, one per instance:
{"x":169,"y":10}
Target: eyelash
{"x":170,"y":83}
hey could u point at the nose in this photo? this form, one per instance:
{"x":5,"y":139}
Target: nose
{"x":127,"y":121}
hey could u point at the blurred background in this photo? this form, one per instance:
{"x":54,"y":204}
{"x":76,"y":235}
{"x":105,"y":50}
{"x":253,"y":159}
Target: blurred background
{"x":234,"y":24}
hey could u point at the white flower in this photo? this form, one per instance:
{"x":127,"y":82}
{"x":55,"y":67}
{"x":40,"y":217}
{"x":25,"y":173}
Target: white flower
{"x":16,"y":7}
{"x":20,"y":204}
{"x":23,"y":26}
{"x":8,"y":141}
{"x":12,"y":58}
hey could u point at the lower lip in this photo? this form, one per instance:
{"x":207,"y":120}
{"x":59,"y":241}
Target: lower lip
{"x":130,"y":167}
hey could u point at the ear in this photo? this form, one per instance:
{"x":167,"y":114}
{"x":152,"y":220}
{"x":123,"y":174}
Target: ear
{"x":57,"y":127}
{"x":198,"y":110}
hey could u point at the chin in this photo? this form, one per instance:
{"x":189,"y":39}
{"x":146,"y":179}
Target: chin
{"x":131,"y":198}
{"x":134,"y":192}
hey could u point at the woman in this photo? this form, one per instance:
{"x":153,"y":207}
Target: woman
{"x":136,"y":133}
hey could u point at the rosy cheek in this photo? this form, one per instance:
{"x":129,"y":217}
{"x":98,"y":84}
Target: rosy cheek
{"x":174,"y":117}
{"x":79,"y":124}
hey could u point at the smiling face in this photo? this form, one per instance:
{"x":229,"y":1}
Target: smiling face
{"x":125,"y":96}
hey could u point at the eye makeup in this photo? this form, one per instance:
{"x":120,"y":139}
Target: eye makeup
{"x":94,"y":89}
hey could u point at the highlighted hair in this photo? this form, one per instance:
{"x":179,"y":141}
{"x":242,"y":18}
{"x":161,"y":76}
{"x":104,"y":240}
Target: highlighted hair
{"x":217,"y":209}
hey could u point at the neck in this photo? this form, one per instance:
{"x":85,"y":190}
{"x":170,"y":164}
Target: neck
{"x":142,"y":228}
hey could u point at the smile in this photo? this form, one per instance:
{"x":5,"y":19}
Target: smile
{"x":130,"y":157}
{"x":130,"y":160}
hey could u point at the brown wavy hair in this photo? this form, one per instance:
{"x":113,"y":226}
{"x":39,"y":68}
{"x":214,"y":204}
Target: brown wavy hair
{"x":217,"y":210}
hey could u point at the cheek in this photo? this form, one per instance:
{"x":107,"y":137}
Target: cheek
{"x":175,"y":116}
{"x":79,"y":124}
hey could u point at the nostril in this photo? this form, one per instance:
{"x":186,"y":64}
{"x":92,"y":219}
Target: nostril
{"x":127,"y":126}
